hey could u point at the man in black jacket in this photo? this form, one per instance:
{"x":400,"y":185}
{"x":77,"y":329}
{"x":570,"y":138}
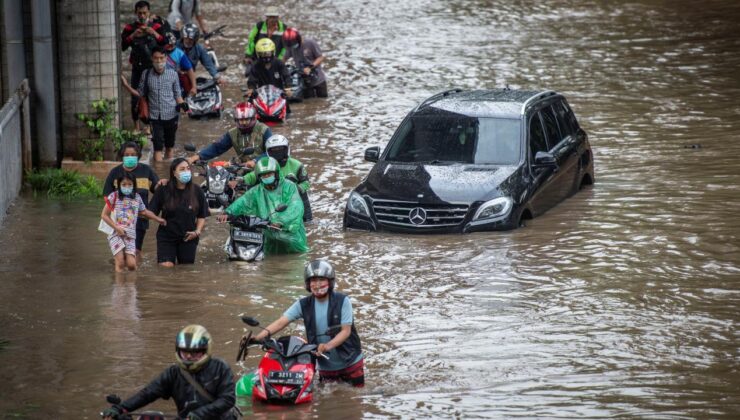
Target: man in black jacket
{"x":201,"y":386}
{"x":327,"y":316}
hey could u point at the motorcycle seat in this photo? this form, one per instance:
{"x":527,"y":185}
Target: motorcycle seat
{"x":207,"y":84}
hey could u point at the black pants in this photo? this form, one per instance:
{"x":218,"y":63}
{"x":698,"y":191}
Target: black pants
{"x":319,"y":90}
{"x":163,"y":133}
{"x":307,"y":214}
{"x":140,"y":234}
{"x":136,"y":74}
{"x":178,"y":252}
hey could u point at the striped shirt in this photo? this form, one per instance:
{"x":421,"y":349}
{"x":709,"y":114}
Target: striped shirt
{"x":162,"y":93}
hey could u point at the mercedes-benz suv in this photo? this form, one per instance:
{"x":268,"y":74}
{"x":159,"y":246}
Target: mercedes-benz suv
{"x":465,"y":161}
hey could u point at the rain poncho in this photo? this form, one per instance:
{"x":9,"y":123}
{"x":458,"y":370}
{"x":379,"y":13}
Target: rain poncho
{"x":261,"y":202}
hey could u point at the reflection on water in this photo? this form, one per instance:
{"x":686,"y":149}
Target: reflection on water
{"x":621,"y":301}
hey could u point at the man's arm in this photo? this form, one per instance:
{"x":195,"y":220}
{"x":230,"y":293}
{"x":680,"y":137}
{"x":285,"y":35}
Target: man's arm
{"x":160,"y":387}
{"x":207,"y":61}
{"x":249,"y":48}
{"x":214,"y":149}
{"x":273,"y":328}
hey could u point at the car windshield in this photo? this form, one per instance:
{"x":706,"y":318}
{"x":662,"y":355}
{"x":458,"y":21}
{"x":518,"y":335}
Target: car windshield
{"x":446,"y":137}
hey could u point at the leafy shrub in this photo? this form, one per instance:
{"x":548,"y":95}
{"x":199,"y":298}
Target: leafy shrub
{"x":101,"y":125}
{"x":60,"y":183}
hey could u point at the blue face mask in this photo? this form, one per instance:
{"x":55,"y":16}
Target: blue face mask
{"x":268,"y":180}
{"x":130,"y":161}
{"x":185,"y":176}
{"x":127,"y":190}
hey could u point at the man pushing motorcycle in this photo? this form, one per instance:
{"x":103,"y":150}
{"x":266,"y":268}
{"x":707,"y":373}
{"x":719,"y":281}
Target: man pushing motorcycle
{"x":287,"y":235}
{"x":327,"y":316}
{"x":248,"y":133}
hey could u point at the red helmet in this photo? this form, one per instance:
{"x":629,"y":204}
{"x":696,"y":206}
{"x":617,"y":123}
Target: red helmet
{"x":245,"y":111}
{"x":291,"y":37}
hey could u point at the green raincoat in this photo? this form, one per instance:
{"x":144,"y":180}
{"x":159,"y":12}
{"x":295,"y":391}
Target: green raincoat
{"x":261,"y":202}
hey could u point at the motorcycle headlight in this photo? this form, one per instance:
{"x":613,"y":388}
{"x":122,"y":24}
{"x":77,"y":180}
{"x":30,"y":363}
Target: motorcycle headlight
{"x":246,"y":253}
{"x":497,"y":208}
{"x":356,"y":204}
{"x":216,"y":186}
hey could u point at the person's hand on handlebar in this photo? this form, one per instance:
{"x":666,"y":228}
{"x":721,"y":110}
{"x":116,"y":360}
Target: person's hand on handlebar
{"x":192,"y":159}
{"x":222,"y":218}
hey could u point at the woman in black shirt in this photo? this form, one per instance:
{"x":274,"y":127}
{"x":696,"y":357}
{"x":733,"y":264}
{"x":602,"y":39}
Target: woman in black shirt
{"x":185,"y":208}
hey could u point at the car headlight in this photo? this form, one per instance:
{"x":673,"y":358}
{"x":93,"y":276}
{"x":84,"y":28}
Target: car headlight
{"x":494,"y":209}
{"x":356,"y":204}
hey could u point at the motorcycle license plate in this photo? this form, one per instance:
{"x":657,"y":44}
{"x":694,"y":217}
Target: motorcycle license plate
{"x":242,"y":235}
{"x":282,"y":377}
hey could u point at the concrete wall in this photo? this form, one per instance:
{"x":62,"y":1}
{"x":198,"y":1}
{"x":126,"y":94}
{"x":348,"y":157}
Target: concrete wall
{"x":89,"y":61}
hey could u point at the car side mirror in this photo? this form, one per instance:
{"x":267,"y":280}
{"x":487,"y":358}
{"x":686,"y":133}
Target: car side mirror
{"x":543,"y":160}
{"x":372,"y":154}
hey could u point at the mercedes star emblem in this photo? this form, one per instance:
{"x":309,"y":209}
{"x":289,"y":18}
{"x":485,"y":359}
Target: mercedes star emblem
{"x":418,"y":216}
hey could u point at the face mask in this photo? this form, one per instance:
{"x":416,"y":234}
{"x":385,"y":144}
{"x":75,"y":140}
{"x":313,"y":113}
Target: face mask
{"x":185,"y":176}
{"x":280,"y":156}
{"x":159,"y":66}
{"x":142,"y":20}
{"x":127,"y":190}
{"x":130,"y":161}
{"x":269,"y":180}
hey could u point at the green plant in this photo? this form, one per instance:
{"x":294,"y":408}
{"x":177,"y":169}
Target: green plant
{"x":101,"y":125}
{"x":60,"y":183}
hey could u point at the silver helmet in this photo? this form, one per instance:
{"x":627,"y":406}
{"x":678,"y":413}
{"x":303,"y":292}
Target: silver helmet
{"x":319,"y":268}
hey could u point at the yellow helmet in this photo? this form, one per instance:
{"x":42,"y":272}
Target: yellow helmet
{"x":265,"y":49}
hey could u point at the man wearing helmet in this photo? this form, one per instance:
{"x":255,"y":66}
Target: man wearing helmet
{"x":179,"y":62}
{"x":278,"y":147}
{"x":271,"y":28}
{"x":263,"y":200}
{"x":248,"y":133}
{"x":307,"y":56}
{"x":201,"y":386}
{"x":322,"y":312}
{"x":196,"y":52}
{"x":269,"y":70}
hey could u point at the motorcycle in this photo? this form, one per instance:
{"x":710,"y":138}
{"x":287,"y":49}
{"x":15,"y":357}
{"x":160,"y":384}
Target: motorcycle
{"x":286,"y":373}
{"x":270,"y":103}
{"x":208,"y":100}
{"x":143,"y":415}
{"x":246,"y":236}
{"x":216,"y":177}
{"x":297,"y":85}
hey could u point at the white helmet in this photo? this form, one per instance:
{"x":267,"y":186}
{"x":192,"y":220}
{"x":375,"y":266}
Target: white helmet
{"x":277,"y":147}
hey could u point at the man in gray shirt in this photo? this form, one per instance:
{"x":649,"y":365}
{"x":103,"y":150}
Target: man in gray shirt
{"x":161,"y":87}
{"x":307,"y":57}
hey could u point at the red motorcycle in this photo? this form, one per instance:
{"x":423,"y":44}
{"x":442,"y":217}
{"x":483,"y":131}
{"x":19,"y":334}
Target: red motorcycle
{"x":270,"y":103}
{"x":287,"y":372}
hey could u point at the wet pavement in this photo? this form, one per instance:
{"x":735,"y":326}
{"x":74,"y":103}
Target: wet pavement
{"x":621,"y":301}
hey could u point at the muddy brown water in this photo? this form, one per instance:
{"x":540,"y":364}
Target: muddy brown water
{"x":621,"y":301}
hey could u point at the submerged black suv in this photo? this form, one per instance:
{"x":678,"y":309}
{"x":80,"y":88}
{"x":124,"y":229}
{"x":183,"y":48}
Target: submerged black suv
{"x":465,"y":161}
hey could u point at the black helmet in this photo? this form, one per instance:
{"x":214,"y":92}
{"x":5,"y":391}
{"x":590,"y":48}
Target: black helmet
{"x":191,"y":31}
{"x":318,"y":268}
{"x":193,"y":338}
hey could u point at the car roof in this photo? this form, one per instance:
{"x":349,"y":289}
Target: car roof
{"x":501,"y":103}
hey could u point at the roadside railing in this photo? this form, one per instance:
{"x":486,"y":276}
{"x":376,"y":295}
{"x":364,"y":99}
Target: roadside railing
{"x":15,"y":145}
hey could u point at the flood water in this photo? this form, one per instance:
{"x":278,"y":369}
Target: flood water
{"x":621,"y":301}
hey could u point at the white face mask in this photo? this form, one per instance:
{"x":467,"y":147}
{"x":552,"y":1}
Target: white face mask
{"x":159,"y":66}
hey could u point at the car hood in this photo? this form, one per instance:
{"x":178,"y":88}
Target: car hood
{"x":424,"y":183}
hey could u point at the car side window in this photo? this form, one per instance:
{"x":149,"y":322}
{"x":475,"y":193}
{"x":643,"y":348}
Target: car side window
{"x":537,"y":142}
{"x":570,"y":116}
{"x":566,"y":129}
{"x":551,"y":127}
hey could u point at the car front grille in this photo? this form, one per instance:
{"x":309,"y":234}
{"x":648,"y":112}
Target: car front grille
{"x":415,"y":215}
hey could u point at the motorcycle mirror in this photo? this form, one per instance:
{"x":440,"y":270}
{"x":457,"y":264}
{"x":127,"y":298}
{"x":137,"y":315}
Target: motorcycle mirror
{"x":248,"y":150}
{"x":190,"y":147}
{"x":250,"y":321}
{"x":281,"y":208}
{"x":221,"y":69}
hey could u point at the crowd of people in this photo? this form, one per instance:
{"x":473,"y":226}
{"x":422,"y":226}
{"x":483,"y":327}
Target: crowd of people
{"x":164,"y":56}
